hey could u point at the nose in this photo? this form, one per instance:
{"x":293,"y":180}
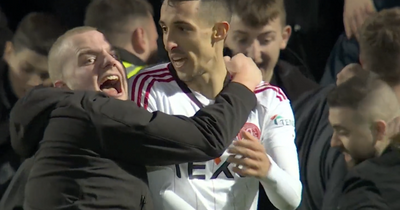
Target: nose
{"x":335,"y":141}
{"x":34,"y":80}
{"x":169,"y":43}
{"x":254,"y":52}
{"x":109,"y":61}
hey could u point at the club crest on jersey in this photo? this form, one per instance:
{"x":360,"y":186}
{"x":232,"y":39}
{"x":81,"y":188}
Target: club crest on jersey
{"x":279,"y":120}
{"x":252,"y":129}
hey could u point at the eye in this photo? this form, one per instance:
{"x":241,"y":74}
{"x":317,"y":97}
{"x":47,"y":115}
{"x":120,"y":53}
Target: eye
{"x":44,"y":75}
{"x":164,"y":29}
{"x":243,"y":41}
{"x":183,"y":29}
{"x":90,"y":60}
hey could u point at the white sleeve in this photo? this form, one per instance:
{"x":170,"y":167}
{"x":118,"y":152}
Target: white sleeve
{"x":282,"y":184}
{"x":144,"y":95}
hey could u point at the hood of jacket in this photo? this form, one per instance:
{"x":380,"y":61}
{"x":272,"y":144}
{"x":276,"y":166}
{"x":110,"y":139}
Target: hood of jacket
{"x":30,"y":116}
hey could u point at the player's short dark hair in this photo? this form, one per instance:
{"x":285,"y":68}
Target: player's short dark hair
{"x":211,"y":10}
{"x":351,"y":93}
{"x":258,"y":13}
{"x":111,"y":16}
{"x":37,"y":32}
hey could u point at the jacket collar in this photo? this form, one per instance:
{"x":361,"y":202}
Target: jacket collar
{"x":126,"y":56}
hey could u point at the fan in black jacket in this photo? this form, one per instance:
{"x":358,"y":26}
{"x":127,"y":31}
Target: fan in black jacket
{"x":90,"y":151}
{"x":322,"y":168}
{"x":93,"y":149}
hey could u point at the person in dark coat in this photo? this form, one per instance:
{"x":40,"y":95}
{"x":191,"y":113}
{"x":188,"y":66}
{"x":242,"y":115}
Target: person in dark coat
{"x":90,"y":150}
{"x":23,"y":65}
{"x":322,"y":168}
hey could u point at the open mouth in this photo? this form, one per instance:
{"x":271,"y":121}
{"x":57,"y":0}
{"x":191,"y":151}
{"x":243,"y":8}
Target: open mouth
{"x":178,"y":62}
{"x":111,"y":85}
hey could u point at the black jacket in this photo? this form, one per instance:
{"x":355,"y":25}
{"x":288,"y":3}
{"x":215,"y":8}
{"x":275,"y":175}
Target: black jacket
{"x":373,"y":184}
{"x":90,"y":151}
{"x":9,"y":160}
{"x":322,"y":168}
{"x":291,"y":80}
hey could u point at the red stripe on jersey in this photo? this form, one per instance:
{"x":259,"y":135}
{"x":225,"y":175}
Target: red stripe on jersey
{"x":148,"y":89}
{"x":279,"y":93}
{"x":150,"y":79}
{"x":140,"y":75}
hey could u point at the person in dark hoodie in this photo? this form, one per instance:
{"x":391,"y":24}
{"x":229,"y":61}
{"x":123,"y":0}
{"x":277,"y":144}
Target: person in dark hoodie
{"x":360,"y":125}
{"x":23,"y":66}
{"x":322,"y":168}
{"x":259,"y":30}
{"x":129,"y":27}
{"x":90,"y":148}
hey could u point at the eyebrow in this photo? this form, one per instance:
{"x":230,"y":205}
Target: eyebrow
{"x":338,"y":127}
{"x":246,"y":33}
{"x":85,"y":51}
{"x":177,"y":22}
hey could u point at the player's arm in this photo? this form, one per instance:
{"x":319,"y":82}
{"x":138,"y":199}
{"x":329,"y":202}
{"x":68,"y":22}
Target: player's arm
{"x":136,"y":135}
{"x":361,"y":194}
{"x":282,"y":184}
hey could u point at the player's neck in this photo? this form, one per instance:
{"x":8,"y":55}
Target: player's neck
{"x":267,"y":75}
{"x":211,"y":82}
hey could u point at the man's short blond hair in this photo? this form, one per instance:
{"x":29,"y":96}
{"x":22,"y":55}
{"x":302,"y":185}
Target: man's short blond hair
{"x":55,"y":62}
{"x":380,"y":45}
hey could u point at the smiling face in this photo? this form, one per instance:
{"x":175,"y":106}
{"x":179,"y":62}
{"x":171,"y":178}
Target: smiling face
{"x":192,"y":43}
{"x":262,"y":44}
{"x":352,"y":135}
{"x":89,"y":63}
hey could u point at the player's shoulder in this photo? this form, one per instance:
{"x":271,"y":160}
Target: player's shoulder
{"x":267,"y":94}
{"x":155,"y":74}
{"x":153,"y":71}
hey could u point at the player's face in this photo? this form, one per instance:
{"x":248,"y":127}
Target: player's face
{"x":27,"y":69}
{"x":91,"y":64}
{"x":352,"y":135}
{"x":188,"y":40}
{"x":262,"y":44}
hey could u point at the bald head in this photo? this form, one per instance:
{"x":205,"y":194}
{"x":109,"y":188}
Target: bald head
{"x":372,"y":98}
{"x":349,"y":71}
{"x":58,"y":50}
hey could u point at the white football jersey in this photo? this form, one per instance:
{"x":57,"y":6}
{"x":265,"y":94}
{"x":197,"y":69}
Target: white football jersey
{"x":212,"y":185}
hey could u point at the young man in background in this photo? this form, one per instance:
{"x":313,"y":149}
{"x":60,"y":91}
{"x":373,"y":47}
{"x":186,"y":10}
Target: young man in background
{"x":259,"y":30}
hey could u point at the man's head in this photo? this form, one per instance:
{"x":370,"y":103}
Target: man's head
{"x":259,"y":30}
{"x":380,"y":45}
{"x":193,"y":33}
{"x":26,"y":55}
{"x":127,"y":24}
{"x":359,"y":110}
{"x":82,"y":59}
{"x":348,"y":72}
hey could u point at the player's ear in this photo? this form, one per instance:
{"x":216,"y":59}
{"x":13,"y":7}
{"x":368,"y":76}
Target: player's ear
{"x":220,"y":31}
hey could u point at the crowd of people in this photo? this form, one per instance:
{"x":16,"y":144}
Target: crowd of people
{"x":94,"y":117}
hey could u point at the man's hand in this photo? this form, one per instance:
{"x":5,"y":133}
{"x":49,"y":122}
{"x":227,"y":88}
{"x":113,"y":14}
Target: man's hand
{"x":253,"y":161}
{"x":354,"y":14}
{"x":243,"y":70}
